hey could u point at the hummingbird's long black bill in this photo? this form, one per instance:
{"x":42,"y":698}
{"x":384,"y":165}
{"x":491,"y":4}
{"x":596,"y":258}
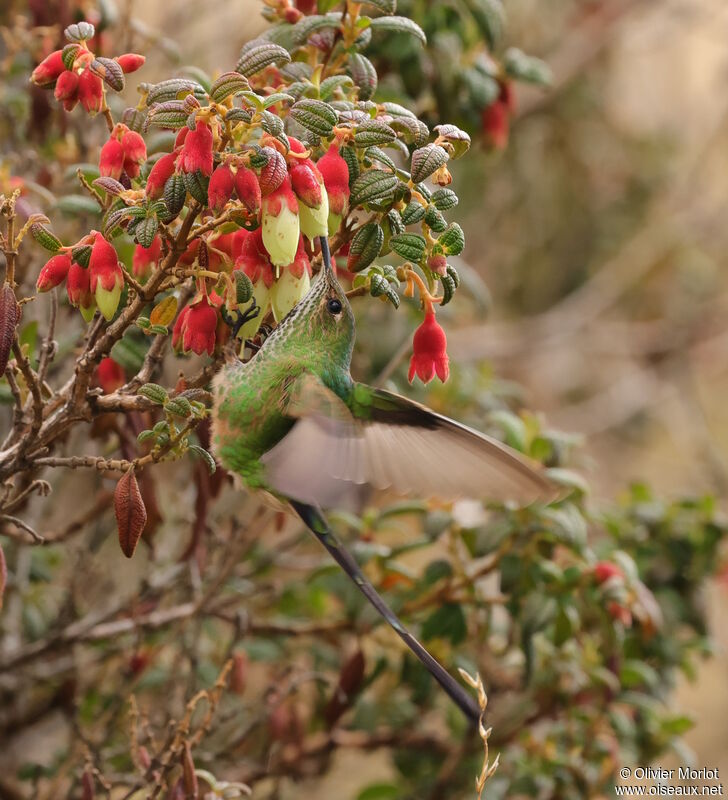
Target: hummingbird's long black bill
{"x":315,"y":520}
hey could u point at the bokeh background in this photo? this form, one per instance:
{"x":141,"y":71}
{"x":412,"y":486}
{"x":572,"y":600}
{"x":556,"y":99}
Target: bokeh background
{"x":597,"y":244}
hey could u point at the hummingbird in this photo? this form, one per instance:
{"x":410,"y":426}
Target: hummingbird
{"x":292,"y":422}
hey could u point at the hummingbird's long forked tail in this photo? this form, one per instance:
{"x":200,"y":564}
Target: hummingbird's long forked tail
{"x":317,"y":523}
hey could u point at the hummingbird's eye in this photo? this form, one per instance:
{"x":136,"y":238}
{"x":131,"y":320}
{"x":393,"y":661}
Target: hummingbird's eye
{"x":334,"y":306}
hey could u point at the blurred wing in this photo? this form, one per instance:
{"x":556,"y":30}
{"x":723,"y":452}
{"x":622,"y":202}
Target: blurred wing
{"x":393,"y":443}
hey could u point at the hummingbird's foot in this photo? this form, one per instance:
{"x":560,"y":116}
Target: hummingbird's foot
{"x":241,"y":317}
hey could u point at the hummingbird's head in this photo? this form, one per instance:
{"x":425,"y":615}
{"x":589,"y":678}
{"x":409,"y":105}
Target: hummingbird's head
{"x":323,"y":317}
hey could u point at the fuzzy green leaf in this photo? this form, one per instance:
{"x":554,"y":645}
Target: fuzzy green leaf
{"x":399,"y":25}
{"x":315,"y":116}
{"x":365,"y":246}
{"x":372,"y":185}
{"x":411,"y":246}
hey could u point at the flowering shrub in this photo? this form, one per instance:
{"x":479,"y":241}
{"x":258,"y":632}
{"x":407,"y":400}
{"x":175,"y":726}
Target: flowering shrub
{"x":194,"y":231}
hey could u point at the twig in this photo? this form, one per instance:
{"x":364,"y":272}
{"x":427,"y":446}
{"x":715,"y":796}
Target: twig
{"x":37,"y":538}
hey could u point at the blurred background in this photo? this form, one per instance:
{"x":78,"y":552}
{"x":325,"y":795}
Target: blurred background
{"x":596,"y":240}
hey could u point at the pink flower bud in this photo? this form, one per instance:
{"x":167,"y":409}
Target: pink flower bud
{"x":49,"y":69}
{"x":111,"y":159}
{"x":110,"y":375}
{"x":221,"y":188}
{"x":145,"y":258}
{"x":438,"y":263}
{"x":67,"y":89}
{"x":429,"y":354}
{"x":54,"y":272}
{"x":195,"y":327}
{"x":135,"y":152}
{"x":280,"y":224}
{"x":248,"y":189}
{"x":197,"y":150}
{"x":130,"y":62}
{"x":90,"y":92}
{"x":78,"y":286}
{"x":160,"y":173}
{"x":106,"y":277}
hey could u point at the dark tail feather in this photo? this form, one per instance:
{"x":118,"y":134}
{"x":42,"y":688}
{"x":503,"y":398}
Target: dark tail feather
{"x":315,"y":520}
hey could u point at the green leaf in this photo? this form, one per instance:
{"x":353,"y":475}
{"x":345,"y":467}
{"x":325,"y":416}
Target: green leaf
{"x":175,"y":194}
{"x":227,"y":85}
{"x":372,"y":185}
{"x":315,"y":116}
{"x":411,"y":246}
{"x":45,"y":237}
{"x":154,"y":392}
{"x":373,"y":132}
{"x":413,"y":213}
{"x":427,"y":160}
{"x":365,"y":246}
{"x":444,"y":199}
{"x":458,"y":139}
{"x":489,"y":16}
{"x":452,"y":240}
{"x":435,"y":220}
{"x":205,"y":456}
{"x":259,"y":54}
{"x":77,"y":204}
{"x":399,"y":25}
{"x":446,"y":622}
{"x":331,"y":84}
{"x":146,"y":230}
{"x":526,"y":68}
{"x":364,"y":75}
{"x":635,"y":673}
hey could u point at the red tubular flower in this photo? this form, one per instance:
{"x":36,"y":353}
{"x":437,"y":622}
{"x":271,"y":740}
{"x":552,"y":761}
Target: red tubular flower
{"x":604,"y":570}
{"x":135,"y":152}
{"x":145,"y":258}
{"x":253,"y":259}
{"x":179,"y":139}
{"x":160,"y":173}
{"x":429,"y":354}
{"x":111,"y":159}
{"x":78,"y":286}
{"x":220,"y":189}
{"x":90,"y":92}
{"x":195,"y":327}
{"x":197,"y":150}
{"x":281,"y":224}
{"x":47,"y":72}
{"x":66,"y":90}
{"x":110,"y":375}
{"x":130,"y":62}
{"x":106,"y":277}
{"x":54,"y":272}
{"x":495,"y":118}
{"x":248,"y":189}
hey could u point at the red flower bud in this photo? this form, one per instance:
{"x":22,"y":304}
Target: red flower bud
{"x":221,"y":188}
{"x":179,"y":139}
{"x":78,"y":286}
{"x":90,"y":91}
{"x":67,"y":89}
{"x":135,"y":152}
{"x":106,"y":277}
{"x":306,"y":6}
{"x":160,"y":173}
{"x":54,"y":272}
{"x":438,"y":263}
{"x":197,"y":150}
{"x":253,"y":259}
{"x":248,"y":189}
{"x":300,"y":263}
{"x":130,"y":62}
{"x":110,"y":375}
{"x":305,"y":182}
{"x":292,"y":15}
{"x":495,"y":118}
{"x":111,"y":159}
{"x":335,"y":172}
{"x":145,"y":258}
{"x":195,"y":327}
{"x":49,"y":69}
{"x":605,"y":570}
{"x":429,"y":354}
{"x":619,"y":613}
